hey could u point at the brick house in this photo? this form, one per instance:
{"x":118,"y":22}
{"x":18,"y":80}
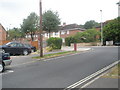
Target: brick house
{"x":3,"y":34}
{"x":63,"y":32}
{"x":69,"y":30}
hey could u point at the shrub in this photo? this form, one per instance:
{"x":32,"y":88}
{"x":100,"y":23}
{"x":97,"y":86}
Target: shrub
{"x":69,"y":40}
{"x":83,"y":37}
{"x":55,"y":43}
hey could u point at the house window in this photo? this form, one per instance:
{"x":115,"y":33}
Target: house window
{"x":46,"y":34}
{"x":67,"y":32}
{"x":56,"y":33}
{"x":63,"y":40}
{"x":62,"y":32}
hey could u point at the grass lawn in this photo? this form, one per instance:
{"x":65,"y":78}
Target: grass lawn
{"x":55,"y":54}
{"x":114,"y":72}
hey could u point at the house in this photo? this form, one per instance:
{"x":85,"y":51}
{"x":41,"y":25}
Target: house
{"x":63,"y":32}
{"x":3,"y":34}
{"x":69,"y":30}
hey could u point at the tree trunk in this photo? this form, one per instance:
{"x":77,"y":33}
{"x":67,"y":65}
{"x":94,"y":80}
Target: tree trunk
{"x":32,"y":37}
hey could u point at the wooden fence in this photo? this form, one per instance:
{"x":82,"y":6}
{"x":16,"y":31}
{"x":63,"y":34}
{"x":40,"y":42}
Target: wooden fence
{"x":4,"y":42}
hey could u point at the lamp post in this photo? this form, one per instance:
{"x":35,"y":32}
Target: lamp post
{"x":118,"y":8}
{"x":101,"y":29}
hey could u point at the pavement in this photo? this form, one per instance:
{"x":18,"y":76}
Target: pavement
{"x":104,"y":83}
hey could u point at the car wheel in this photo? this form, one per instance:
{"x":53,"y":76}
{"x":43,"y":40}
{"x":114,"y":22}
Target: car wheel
{"x":25,"y":52}
{"x":2,"y":68}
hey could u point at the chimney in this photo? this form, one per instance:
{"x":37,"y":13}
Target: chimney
{"x":64,"y":24}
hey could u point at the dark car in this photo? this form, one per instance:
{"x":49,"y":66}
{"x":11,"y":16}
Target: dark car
{"x":117,"y":43}
{"x":15,"y":48}
{"x":33,"y":49}
{"x":4,"y":61}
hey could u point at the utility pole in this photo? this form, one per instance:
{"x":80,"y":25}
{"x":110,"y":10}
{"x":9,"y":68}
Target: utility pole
{"x":101,"y":29}
{"x":41,"y":43}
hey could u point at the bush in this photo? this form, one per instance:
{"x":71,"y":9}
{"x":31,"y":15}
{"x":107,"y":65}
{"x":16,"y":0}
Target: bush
{"x":54,"y":43}
{"x":69,"y":40}
{"x":83,"y":37}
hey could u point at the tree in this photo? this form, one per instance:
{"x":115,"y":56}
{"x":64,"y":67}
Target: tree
{"x":14,"y":33}
{"x":90,"y":24}
{"x":87,"y":36}
{"x":111,"y":30}
{"x":30,"y":25}
{"x":50,"y":21}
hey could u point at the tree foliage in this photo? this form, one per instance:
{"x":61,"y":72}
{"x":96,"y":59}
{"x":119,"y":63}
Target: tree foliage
{"x":90,"y":24}
{"x":30,"y":24}
{"x":50,"y":21}
{"x":14,"y":34}
{"x":87,"y":36}
{"x":111,"y":30}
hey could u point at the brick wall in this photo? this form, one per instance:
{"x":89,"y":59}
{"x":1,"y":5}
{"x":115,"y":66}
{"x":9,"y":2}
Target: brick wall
{"x":2,"y":33}
{"x":86,"y":44}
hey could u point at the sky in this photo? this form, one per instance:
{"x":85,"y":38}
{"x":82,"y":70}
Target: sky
{"x":12,"y":12}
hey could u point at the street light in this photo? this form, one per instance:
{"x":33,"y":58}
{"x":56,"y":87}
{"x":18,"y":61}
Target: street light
{"x":101,"y":29}
{"x":118,"y":8}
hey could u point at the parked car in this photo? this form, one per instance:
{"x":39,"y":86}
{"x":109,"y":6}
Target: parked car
{"x":15,"y":48}
{"x":4,"y":61}
{"x":117,"y":43}
{"x":33,"y":49}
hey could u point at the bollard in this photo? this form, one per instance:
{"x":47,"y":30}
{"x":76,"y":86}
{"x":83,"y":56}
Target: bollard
{"x":75,"y":47}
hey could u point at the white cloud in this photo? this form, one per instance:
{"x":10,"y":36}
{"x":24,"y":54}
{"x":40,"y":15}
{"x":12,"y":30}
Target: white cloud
{"x":70,"y":11}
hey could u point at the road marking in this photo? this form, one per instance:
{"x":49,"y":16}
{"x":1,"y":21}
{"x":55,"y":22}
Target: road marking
{"x":91,"y":76}
{"x":6,"y":72}
{"x":93,"y":80}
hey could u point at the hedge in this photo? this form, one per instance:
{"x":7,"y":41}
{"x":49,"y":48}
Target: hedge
{"x":54,"y":42}
{"x":83,"y":37}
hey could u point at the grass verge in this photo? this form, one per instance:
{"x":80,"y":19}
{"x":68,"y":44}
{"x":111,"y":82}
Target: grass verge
{"x":55,"y":55}
{"x":113,"y":73}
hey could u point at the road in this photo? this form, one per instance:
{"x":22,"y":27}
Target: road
{"x":60,"y":72}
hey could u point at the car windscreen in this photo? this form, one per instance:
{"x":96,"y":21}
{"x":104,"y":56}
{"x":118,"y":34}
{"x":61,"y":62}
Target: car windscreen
{"x":8,"y":43}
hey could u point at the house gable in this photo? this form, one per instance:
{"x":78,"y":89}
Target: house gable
{"x":2,"y":33}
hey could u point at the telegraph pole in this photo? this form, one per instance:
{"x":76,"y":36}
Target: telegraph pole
{"x":101,"y":29}
{"x":41,"y":43}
